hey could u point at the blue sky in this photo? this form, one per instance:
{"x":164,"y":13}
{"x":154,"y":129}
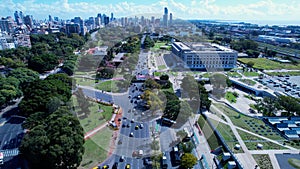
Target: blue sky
{"x":183,"y":9}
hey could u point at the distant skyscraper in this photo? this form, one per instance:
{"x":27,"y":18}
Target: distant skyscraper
{"x":50,"y":18}
{"x":21,"y":15}
{"x":171,"y":19}
{"x":165,"y":17}
{"x":72,"y":28}
{"x":106,"y":20}
{"x":56,"y":18}
{"x":80,"y":21}
{"x":152,"y":19}
{"x":6,"y":25}
{"x":111,"y":16}
{"x":17,"y":17}
{"x":28,"y":21}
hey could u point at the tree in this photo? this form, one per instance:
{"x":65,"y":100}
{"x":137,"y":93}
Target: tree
{"x":290,"y":104}
{"x":43,"y":62}
{"x":250,"y":64}
{"x":55,"y":144}
{"x":151,"y":84}
{"x":24,"y":75}
{"x":188,"y":161}
{"x":39,"y":93}
{"x":164,"y":77}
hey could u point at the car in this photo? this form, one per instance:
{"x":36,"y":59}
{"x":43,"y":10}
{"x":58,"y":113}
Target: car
{"x":123,"y":125}
{"x":128,"y":125}
{"x":122,"y":159}
{"x":136,"y":127}
{"x":115,"y":166}
{"x":131,"y":134}
{"x":105,"y":167}
{"x":132,"y":120}
{"x":141,"y":125}
{"x":127,"y":166}
{"x":96,"y":168}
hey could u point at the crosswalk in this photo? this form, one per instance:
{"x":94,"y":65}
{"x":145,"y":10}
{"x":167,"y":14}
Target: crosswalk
{"x":10,"y":152}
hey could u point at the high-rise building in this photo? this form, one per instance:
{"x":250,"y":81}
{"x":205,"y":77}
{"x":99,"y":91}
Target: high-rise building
{"x":171,"y":19}
{"x":72,"y":28}
{"x":6,"y":25}
{"x":165,"y":17}
{"x":28,"y":21}
{"x":111,"y":16}
{"x":152,"y":19}
{"x":50,"y":18}
{"x":56,"y":18}
{"x":106,"y":20}
{"x":17,"y":17}
{"x":98,"y":21}
{"x":80,"y":22}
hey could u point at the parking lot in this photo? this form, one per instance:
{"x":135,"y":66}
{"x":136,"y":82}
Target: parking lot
{"x":285,"y":84}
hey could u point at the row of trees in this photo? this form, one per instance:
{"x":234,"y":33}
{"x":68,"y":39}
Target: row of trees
{"x":55,"y":138}
{"x":270,"y":106}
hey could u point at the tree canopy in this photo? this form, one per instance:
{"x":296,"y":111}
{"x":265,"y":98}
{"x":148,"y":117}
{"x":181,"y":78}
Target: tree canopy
{"x":188,"y":161}
{"x":56,"y":143}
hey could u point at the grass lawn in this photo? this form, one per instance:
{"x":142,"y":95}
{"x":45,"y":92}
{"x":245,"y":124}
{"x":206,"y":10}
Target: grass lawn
{"x":157,"y":73}
{"x":234,"y":74}
{"x":109,"y":86}
{"x":263,"y":161}
{"x":161,"y":67}
{"x":96,"y":118}
{"x":84,"y":81}
{"x":250,"y":74}
{"x":251,"y":124}
{"x":230,"y":97}
{"x":96,"y":149}
{"x":251,"y":142}
{"x":228,"y":135}
{"x":248,"y":81}
{"x":208,"y":133}
{"x":263,"y":63}
{"x":159,"y":44}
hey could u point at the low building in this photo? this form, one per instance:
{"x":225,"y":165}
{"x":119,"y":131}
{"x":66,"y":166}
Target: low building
{"x":205,"y":56}
{"x":289,"y":127}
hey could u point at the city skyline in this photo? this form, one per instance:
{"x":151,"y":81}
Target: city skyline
{"x":262,"y":11}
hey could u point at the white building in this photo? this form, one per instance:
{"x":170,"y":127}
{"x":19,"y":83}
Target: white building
{"x":205,"y":55}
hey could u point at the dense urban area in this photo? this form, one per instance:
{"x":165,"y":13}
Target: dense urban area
{"x":138,"y":92}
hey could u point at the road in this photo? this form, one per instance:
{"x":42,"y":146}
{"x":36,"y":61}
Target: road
{"x":11,"y":135}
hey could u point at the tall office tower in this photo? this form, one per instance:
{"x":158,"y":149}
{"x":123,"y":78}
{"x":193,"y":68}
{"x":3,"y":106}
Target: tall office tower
{"x":142,"y":20}
{"x":72,"y":28}
{"x":165,"y":17}
{"x":21,"y":15}
{"x":106,"y":20}
{"x":171,"y":19}
{"x":56,"y":18}
{"x":152,"y":19}
{"x":111,"y":16}
{"x":98,"y":21}
{"x":50,"y":18}
{"x":17,"y":17}
{"x":80,"y":21}
{"x":6,"y":25}
{"x":102,"y":18}
{"x":28,"y":21}
{"x":126,"y":21}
